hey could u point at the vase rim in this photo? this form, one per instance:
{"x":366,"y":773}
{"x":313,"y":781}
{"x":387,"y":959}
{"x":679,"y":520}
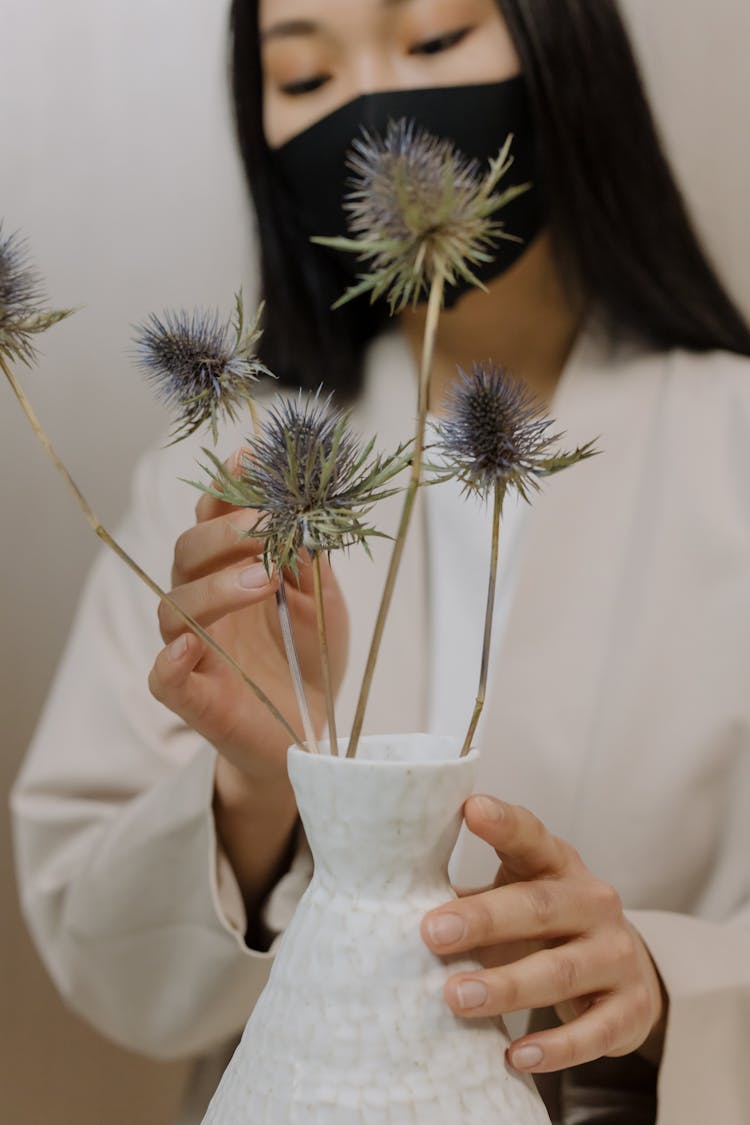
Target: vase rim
{"x":428,"y":763}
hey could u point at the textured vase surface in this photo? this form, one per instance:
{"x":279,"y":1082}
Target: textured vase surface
{"x":352,"y":1026}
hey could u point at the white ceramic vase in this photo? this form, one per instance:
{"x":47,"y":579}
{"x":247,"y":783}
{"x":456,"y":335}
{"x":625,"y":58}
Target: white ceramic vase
{"x":352,"y":1026}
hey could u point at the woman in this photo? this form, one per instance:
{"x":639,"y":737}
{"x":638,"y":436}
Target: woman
{"x":160,"y":858}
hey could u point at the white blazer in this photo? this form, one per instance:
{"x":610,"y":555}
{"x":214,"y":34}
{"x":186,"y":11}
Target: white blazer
{"x":619,"y":712}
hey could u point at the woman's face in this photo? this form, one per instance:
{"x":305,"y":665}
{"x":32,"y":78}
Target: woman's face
{"x":319,"y":54}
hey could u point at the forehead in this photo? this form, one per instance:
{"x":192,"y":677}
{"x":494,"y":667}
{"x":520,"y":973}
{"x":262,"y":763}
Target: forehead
{"x":315,"y":11}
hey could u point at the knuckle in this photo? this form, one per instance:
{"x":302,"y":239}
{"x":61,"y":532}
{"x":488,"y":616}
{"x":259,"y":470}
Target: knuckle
{"x":610,"y":1030}
{"x":481,"y":923}
{"x":606,"y":899}
{"x":568,"y":975}
{"x":233,"y":533}
{"x":567,"y":1051}
{"x":217,"y":584}
{"x":622,"y":948}
{"x":508,"y":992}
{"x":541,"y":903}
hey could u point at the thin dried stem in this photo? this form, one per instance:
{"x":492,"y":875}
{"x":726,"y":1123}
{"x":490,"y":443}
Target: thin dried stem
{"x":292,"y":657}
{"x":489,"y":613}
{"x":254,"y":416}
{"x":324,"y":661}
{"x":104,"y":535}
{"x":428,"y":350}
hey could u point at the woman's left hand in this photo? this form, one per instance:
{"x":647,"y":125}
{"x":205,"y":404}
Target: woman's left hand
{"x":549,"y":933}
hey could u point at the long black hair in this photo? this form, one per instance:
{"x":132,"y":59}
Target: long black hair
{"x":619,"y":225}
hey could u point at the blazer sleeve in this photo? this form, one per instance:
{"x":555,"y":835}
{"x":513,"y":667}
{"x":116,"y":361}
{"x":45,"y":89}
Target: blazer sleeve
{"x":704,"y":961}
{"x":705,"y":966}
{"x":129,"y":898}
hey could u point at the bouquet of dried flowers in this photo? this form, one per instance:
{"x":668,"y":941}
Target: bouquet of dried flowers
{"x":421,"y":215}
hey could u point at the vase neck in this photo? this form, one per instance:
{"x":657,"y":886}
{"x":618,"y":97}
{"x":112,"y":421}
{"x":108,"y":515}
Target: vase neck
{"x":374,"y":822}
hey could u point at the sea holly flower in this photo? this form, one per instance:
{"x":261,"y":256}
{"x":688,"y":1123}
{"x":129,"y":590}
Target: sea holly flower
{"x":22,"y":302}
{"x":313,"y":484}
{"x":495,"y":434}
{"x":310,"y":479}
{"x":201,"y":367}
{"x":419,"y":209}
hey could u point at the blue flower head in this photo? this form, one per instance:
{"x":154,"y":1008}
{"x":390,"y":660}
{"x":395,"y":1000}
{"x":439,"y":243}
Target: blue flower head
{"x":201,"y":367}
{"x":495,"y":433}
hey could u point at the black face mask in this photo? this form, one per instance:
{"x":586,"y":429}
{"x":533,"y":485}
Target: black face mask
{"x":476,"y":119}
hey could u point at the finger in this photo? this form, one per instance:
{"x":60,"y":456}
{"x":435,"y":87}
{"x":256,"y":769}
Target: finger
{"x":466,"y":892}
{"x":209,"y":507}
{"x":212,"y":544}
{"x":542,"y":979}
{"x":540,"y":909}
{"x":174,"y":682}
{"x":611,"y":1026}
{"x":208,"y":599}
{"x":520,"y":839}
{"x":167,"y":680}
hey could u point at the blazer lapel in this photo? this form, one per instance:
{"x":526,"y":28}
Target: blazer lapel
{"x":545,"y":683}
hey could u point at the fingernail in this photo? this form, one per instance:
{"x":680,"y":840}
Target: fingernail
{"x":178,"y":648}
{"x":489,"y":809}
{"x":253,"y":577}
{"x":525,"y":1057}
{"x":446,"y":929}
{"x":471,"y":993}
{"x":235,"y":462}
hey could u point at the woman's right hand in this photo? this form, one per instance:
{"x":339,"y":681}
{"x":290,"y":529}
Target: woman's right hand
{"x":210,"y":560}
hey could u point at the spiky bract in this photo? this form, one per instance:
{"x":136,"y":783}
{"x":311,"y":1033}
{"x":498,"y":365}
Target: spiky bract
{"x":495,"y":433}
{"x":22,"y":301}
{"x":418,"y":207}
{"x":201,"y":367}
{"x":310,"y":479}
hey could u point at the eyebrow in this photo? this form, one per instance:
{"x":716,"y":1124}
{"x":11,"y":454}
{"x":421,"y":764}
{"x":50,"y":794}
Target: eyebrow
{"x":289,"y":28}
{"x":295,"y":27}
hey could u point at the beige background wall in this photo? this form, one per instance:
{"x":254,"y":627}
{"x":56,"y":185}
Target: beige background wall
{"x":116,"y":159}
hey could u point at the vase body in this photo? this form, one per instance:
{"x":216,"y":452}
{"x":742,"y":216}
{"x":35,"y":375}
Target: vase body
{"x":353,"y":1026}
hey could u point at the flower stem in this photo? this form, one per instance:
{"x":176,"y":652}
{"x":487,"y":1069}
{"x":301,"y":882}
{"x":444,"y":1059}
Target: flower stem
{"x":489,"y":612}
{"x":104,"y":535}
{"x":324,"y":661}
{"x":254,"y":416}
{"x":428,"y":350}
{"x":294,"y":665}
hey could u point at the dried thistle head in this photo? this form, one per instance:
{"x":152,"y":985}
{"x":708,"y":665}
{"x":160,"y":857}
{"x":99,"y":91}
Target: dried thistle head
{"x":310,"y":479}
{"x":495,"y":433}
{"x":417,"y":208}
{"x":201,"y":367}
{"x":22,"y":301}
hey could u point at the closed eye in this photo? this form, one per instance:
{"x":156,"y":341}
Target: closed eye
{"x":441,"y":43}
{"x":305,"y":85}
